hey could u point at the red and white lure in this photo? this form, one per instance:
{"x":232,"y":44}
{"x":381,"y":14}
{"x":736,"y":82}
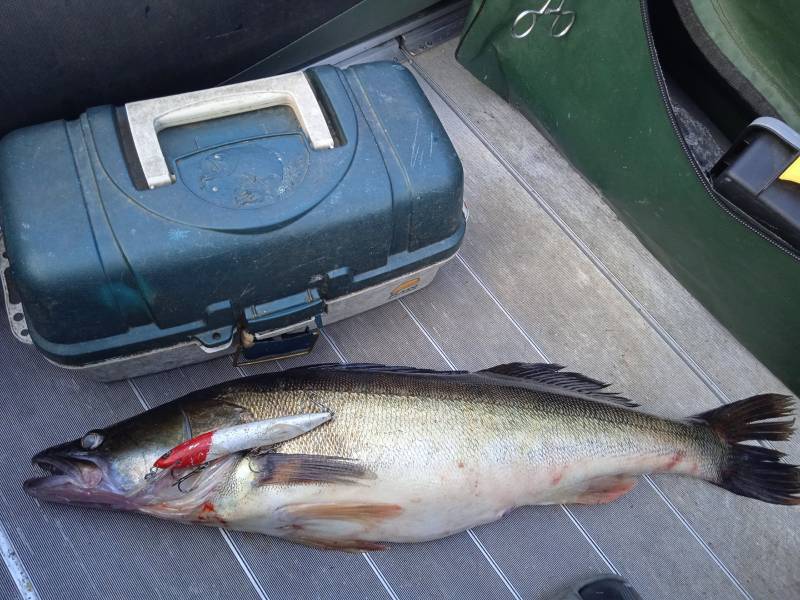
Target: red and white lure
{"x":237,"y":438}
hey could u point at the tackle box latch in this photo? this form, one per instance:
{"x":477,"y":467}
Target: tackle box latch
{"x":281,"y":328}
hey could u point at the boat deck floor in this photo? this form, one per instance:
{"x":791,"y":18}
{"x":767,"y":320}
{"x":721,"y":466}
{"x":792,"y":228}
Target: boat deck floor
{"x":546,"y":273}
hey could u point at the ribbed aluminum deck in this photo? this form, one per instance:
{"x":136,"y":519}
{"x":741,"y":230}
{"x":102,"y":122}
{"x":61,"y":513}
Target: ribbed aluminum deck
{"x":546,"y":273}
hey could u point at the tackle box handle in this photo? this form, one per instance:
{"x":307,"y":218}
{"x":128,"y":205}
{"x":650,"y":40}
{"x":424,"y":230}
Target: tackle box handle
{"x":147,"y":117}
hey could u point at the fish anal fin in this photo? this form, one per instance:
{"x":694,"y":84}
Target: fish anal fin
{"x":365,"y":513}
{"x":276,"y":468}
{"x":602,"y":490}
{"x":554,"y":376}
{"x":331,"y":544}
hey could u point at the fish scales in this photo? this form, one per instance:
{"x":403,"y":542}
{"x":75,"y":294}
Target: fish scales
{"x":461,"y":416}
{"x":409,"y":454}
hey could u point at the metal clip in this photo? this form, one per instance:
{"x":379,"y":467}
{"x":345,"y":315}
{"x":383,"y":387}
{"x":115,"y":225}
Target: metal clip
{"x":16,"y":315}
{"x":545,"y":10}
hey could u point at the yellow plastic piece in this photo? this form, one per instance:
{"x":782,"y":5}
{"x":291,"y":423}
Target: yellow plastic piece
{"x":792,"y":173}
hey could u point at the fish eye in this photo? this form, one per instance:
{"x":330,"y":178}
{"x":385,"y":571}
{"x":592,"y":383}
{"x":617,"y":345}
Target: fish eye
{"x":91,"y":440}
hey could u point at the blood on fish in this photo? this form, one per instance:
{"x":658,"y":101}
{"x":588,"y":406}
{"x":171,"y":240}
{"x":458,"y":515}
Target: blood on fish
{"x":557,"y":476}
{"x":208,"y":515}
{"x":675,"y":460}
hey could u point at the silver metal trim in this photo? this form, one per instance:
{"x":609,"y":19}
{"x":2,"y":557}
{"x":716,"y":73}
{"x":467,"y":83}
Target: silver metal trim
{"x":146,"y":363}
{"x":348,"y":54}
{"x":147,"y":117}
{"x":16,"y":316}
{"x":388,"y":51}
{"x":378,"y":295}
{"x":216,"y":349}
{"x":435,"y":32}
{"x":545,"y":10}
{"x":293,"y":328}
{"x":16,"y":568}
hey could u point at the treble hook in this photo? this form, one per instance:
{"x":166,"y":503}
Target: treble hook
{"x":259,"y":452}
{"x":324,"y":407}
{"x":155,"y":471}
{"x":183,"y":478}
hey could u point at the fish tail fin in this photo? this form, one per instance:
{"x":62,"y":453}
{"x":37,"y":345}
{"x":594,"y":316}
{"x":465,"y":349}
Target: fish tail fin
{"x":750,"y":419}
{"x":755,"y":471}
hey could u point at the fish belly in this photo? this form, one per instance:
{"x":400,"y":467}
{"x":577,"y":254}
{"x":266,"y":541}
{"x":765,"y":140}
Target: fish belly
{"x":393,"y":507}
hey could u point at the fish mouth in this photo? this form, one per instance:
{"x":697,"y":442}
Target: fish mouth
{"x":74,"y":480}
{"x":73,"y":476}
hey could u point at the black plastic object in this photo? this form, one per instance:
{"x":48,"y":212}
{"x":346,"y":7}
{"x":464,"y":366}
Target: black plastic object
{"x":749,"y":176}
{"x":604,"y":587}
{"x":284,"y":346}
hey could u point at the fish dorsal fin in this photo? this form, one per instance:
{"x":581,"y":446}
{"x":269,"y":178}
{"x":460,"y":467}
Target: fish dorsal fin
{"x":377,"y":368}
{"x":552,"y":375}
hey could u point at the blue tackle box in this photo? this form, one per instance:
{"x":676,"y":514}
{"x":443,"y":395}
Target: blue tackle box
{"x":238,"y":219}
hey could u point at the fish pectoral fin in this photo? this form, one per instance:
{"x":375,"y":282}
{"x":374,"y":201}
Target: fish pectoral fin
{"x":276,"y":468}
{"x":601,"y":490}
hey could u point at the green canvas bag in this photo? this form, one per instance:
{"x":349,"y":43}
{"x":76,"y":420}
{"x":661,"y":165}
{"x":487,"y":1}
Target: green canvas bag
{"x":589,"y":75}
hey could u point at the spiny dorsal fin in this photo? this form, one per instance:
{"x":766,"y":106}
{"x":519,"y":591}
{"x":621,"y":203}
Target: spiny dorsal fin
{"x":377,"y":368}
{"x":544,"y":373}
{"x":553,"y":375}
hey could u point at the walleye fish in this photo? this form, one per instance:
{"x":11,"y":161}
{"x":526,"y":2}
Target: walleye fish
{"x":409,"y":454}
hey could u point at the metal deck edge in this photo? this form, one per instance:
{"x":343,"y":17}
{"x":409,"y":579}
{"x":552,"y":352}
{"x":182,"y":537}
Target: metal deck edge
{"x":16,"y":568}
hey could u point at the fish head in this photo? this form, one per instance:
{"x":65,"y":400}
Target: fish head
{"x":113,"y":468}
{"x":80,"y":472}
